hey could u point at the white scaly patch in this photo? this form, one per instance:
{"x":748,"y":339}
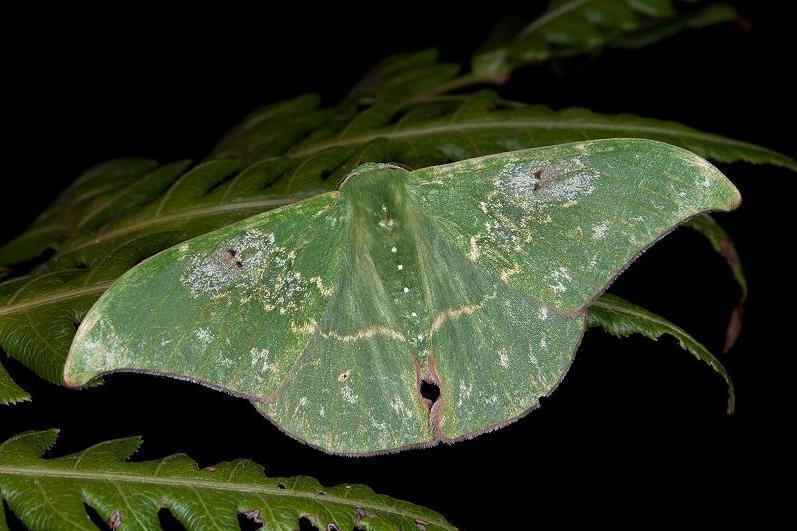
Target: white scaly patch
{"x":557,"y":279}
{"x":540,"y":184}
{"x":589,"y":266}
{"x":252,"y":266}
{"x":542,"y":313}
{"x":204,"y":335}
{"x":464,"y":392}
{"x":399,"y":407}
{"x":319,"y":283}
{"x":260,"y":358}
{"x":525,"y":192}
{"x":599,"y":230}
{"x":473,"y":255}
{"x":503,"y":358}
{"x":103,"y":346}
{"x":348,"y":394}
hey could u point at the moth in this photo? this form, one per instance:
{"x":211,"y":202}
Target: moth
{"x":332,"y":314}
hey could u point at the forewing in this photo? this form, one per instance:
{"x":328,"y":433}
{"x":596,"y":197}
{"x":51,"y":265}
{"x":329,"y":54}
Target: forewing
{"x":561,"y":222}
{"x":231,"y":309}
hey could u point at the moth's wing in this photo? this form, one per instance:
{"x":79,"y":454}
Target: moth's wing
{"x":401,"y":295}
{"x":553,"y":226}
{"x":232,"y":309}
{"x":562,"y":222}
{"x":467,"y":275}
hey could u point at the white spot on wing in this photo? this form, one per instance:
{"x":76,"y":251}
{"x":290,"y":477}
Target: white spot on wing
{"x":599,"y":230}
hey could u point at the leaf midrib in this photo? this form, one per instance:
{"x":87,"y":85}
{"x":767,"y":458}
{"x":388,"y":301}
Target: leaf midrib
{"x":640,"y":315}
{"x":187,"y":214}
{"x":548,"y":17}
{"x":523,"y":124}
{"x":57,"y":297}
{"x":313,"y":149}
{"x":210,"y":484}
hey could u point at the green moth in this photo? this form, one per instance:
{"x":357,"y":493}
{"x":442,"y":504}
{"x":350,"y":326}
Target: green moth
{"x":474,"y":277}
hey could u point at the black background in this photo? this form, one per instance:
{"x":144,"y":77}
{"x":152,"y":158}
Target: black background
{"x":636,"y":432}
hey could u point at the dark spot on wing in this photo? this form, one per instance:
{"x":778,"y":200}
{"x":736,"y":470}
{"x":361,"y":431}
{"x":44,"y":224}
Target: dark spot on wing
{"x":543,"y":175}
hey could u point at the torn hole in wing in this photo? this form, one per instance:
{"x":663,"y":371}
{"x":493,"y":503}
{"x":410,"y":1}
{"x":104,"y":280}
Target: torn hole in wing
{"x":306,"y":525}
{"x":168,"y":522}
{"x":430,"y":391}
{"x":97,"y":520}
{"x":12,"y":519}
{"x":250,"y":520}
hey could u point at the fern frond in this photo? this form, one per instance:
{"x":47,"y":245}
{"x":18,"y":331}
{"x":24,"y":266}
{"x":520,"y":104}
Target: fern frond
{"x":622,"y":318}
{"x":49,"y":493}
{"x":575,"y":27}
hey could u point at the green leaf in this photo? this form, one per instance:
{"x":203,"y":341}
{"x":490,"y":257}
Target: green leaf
{"x":50,"y":493}
{"x":403,"y":76}
{"x":575,"y":27}
{"x":39,"y":314}
{"x":723,"y":244}
{"x":453,"y":128}
{"x":659,"y":29}
{"x":480,"y":125}
{"x":10,"y":393}
{"x":621,"y":318}
{"x":330,"y":312}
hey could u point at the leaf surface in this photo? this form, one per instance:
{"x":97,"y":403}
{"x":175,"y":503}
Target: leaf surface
{"x":10,"y":392}
{"x":722,"y":243}
{"x":575,"y":27}
{"x":454,"y":128}
{"x":474,"y":277}
{"x":621,"y":318}
{"x":50,"y":493}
